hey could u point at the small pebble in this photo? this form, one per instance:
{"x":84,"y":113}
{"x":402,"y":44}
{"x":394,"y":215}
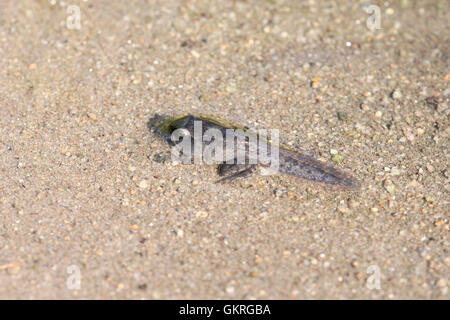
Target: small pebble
{"x":342,"y":209}
{"x":364,"y":107}
{"x":315,"y":83}
{"x":201,"y":214}
{"x":396,"y":94}
{"x":143,"y":184}
{"x":389,"y":11}
{"x":447,"y":261}
{"x":230,"y":290}
{"x":195,"y":54}
{"x":442,"y":283}
{"x":337,"y":158}
{"x":254,"y":274}
{"x":352,"y":204}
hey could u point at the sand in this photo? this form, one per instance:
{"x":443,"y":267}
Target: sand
{"x":91,"y":206}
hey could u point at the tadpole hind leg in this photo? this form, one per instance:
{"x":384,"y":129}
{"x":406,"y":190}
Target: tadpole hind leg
{"x":236,"y":170}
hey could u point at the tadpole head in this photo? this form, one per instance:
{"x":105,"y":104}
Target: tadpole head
{"x":158,"y":125}
{"x":155,"y":123}
{"x":164,"y":126}
{"x":185,"y":122}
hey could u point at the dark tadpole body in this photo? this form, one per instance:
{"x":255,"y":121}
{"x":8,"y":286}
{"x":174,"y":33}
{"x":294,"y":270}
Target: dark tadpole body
{"x":291,"y":161}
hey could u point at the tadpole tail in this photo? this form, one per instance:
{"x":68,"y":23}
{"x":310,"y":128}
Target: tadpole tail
{"x":307,"y":167}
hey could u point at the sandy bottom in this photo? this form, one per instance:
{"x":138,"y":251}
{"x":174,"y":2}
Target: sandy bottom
{"x":91,"y":205}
